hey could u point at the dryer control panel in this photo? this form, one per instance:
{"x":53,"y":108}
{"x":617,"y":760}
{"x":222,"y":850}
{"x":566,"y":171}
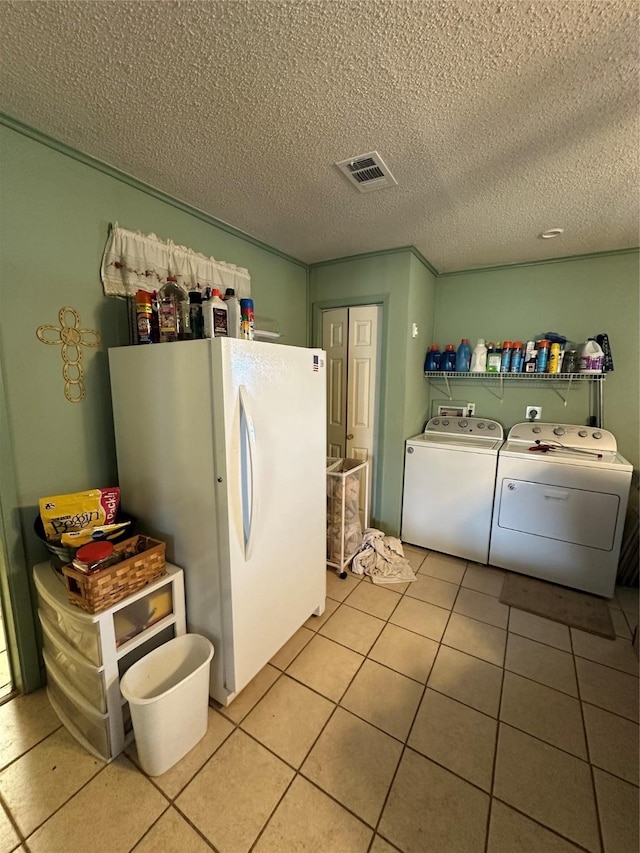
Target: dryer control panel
{"x":564,"y":435}
{"x":465,"y":426}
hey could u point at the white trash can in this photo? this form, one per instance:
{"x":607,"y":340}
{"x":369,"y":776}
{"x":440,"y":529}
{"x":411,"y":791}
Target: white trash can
{"x":168,"y":695}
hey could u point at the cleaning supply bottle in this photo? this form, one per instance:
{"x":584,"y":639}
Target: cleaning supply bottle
{"x":463,"y":357}
{"x":432,"y":361}
{"x":530,"y":357}
{"x":448,"y":359}
{"x":479,"y":357}
{"x":555,"y":358}
{"x":494,"y":358}
{"x":542,"y":361}
{"x":505,"y":359}
{"x":591,"y":357}
{"x":517,"y":357}
{"x":233,"y":313}
{"x":215,"y":315}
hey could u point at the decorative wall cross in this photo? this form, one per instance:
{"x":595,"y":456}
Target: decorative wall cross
{"x":72,"y":338}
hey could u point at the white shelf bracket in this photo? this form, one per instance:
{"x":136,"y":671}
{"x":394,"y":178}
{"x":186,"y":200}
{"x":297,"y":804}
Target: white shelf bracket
{"x":564,"y":397}
{"x":499,"y":394}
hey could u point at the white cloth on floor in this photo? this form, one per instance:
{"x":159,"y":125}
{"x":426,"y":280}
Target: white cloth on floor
{"x":382,"y":558}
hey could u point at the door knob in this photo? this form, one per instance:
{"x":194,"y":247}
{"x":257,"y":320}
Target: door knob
{"x":350,"y":437}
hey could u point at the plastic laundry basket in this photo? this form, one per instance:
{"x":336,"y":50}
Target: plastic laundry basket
{"x":168,"y":694}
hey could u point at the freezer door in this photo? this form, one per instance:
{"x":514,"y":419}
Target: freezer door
{"x":270,"y":439}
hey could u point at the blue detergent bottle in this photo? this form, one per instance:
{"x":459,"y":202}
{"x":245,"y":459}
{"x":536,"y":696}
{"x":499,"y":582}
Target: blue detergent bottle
{"x":463,"y":357}
{"x":448,"y":359}
{"x":432,"y":361}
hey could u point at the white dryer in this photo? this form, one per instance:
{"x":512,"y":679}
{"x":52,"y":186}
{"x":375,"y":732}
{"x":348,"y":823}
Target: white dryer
{"x":559,"y":512}
{"x":449,"y":480}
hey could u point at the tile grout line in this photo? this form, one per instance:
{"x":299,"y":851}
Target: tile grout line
{"x":21,"y":838}
{"x":549,"y":829}
{"x":496,"y":741}
{"x":588,"y":748}
{"x":405,"y":745}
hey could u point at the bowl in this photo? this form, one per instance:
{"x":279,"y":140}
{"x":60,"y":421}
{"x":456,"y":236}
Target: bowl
{"x":62,"y":555}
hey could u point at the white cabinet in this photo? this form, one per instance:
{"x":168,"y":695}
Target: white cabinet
{"x":86,"y":654}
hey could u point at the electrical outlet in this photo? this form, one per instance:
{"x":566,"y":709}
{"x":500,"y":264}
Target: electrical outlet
{"x":533,"y":413}
{"x":414,"y":330}
{"x":471,"y":409}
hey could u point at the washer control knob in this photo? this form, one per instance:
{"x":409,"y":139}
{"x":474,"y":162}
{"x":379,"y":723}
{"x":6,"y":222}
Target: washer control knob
{"x":436,"y":422}
{"x":445,"y":423}
{"x":537,"y":430}
{"x":481,"y":425}
{"x":558,"y":431}
{"x":583,"y":433}
{"x":491,"y":426}
{"x":409,"y":449}
{"x":596,"y":435}
{"x":512,"y":487}
{"x":463,"y":424}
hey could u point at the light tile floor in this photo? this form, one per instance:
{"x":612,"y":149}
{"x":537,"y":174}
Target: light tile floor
{"x":425,"y":717}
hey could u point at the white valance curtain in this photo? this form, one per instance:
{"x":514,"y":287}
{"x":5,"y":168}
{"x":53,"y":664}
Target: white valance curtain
{"x":133,"y":261}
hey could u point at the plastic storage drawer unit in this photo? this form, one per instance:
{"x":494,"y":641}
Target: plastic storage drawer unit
{"x":86,"y":724}
{"x":77,"y":627}
{"x":81,"y":675}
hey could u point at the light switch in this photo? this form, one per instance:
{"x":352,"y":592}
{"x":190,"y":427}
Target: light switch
{"x":414,"y":330}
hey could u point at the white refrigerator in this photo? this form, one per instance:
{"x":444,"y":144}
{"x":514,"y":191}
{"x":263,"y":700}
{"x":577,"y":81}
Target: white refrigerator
{"x":221,"y":448}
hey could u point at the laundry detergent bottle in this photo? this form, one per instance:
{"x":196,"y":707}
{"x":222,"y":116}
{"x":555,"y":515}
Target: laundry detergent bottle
{"x":448,"y":359}
{"x":479,"y":357}
{"x":463,"y":357}
{"x":432,"y":361}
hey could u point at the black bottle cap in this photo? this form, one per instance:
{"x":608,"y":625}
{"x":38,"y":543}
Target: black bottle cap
{"x":230,"y":292}
{"x":195,"y":297}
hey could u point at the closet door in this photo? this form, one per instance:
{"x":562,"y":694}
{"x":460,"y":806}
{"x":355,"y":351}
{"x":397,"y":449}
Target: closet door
{"x":350,"y":337}
{"x":335,"y":336}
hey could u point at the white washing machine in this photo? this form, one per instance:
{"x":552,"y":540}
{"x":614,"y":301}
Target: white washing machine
{"x":559,"y":513}
{"x":449,"y":480}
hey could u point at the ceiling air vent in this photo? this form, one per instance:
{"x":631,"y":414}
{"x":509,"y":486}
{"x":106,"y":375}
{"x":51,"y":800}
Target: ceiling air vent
{"x":367,"y":172}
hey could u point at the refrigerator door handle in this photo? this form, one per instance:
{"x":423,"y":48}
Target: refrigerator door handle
{"x":250,"y":505}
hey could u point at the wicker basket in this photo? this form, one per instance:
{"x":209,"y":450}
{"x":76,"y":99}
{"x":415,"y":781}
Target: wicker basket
{"x":142,"y":560}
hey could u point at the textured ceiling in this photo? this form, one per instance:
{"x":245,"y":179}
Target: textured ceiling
{"x":498,"y":119}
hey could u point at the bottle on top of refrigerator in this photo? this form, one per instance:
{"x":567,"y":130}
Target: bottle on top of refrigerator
{"x":233,"y":313}
{"x":214,"y":312}
{"x":530,"y":357}
{"x":494,"y":358}
{"x":542,"y":361}
{"x":591,"y":357}
{"x":432,"y":361}
{"x":172,"y":302}
{"x":448,"y":359}
{"x":195,"y":314}
{"x":517,"y":357}
{"x":463,"y":357}
{"x":479,"y":357}
{"x":555,"y":358}
{"x":505,"y":359}
{"x":246,"y":319}
{"x":220,"y":315}
{"x":143,"y":317}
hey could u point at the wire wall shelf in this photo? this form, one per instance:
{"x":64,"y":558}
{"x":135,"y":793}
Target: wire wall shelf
{"x":559,"y":382}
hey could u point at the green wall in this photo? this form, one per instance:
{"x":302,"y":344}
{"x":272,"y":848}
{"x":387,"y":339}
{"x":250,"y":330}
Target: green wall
{"x":576,"y":298}
{"x":54,"y":216}
{"x":404,"y":288}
